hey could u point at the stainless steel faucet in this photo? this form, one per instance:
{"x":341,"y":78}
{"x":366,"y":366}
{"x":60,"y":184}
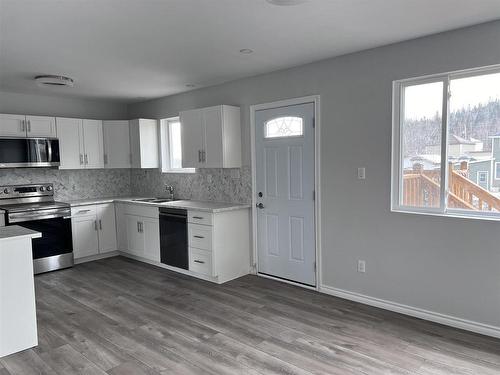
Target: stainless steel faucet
{"x":170,"y":191}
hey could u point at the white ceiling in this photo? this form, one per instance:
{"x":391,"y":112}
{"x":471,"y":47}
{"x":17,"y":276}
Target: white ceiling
{"x":139,"y":49}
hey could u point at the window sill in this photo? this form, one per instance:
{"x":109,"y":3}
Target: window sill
{"x":179,"y":171}
{"x":456,"y":215}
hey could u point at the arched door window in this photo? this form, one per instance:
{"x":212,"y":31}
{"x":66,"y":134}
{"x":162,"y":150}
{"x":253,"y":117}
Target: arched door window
{"x":284,"y":127}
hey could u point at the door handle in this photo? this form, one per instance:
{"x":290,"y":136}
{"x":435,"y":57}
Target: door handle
{"x":100,"y":224}
{"x":259,"y":205}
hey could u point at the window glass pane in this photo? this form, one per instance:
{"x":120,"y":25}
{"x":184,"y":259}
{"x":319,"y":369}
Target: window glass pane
{"x":284,"y":127}
{"x":473,"y":142}
{"x":421,"y":127}
{"x":174,"y":129}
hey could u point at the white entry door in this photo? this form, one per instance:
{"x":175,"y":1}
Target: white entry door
{"x":284,"y":141}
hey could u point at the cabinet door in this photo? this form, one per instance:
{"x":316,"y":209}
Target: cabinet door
{"x":148,"y":139}
{"x":121,"y":227}
{"x":116,"y":144}
{"x":85,"y":241}
{"x":212,"y":120}
{"x":151,"y":231}
{"x":107,"y":227}
{"x":192,"y":138}
{"x":135,"y":238}
{"x":12,"y":125}
{"x":92,"y":140}
{"x":41,"y":126}
{"x":70,"y":136}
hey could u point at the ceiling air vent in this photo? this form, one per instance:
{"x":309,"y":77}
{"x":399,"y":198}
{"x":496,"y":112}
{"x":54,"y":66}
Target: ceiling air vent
{"x":54,"y":80}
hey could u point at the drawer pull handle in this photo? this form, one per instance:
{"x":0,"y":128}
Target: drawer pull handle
{"x":198,"y":237}
{"x":199,"y":261}
{"x":198,"y":217}
{"x":83,"y":211}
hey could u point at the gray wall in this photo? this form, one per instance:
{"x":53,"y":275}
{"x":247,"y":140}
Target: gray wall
{"x":68,"y":184}
{"x":445,"y":265}
{"x":44,"y":105}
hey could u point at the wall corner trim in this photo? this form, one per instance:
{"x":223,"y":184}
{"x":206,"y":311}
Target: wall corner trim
{"x":468,"y":325}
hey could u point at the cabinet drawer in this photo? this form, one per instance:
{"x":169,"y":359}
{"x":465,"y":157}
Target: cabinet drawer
{"x":84,"y":211}
{"x":200,"y":236}
{"x":199,"y":217}
{"x":141,"y":210}
{"x":200,"y":261}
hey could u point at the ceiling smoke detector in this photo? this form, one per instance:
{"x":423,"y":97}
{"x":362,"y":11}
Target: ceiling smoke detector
{"x":54,"y":80}
{"x":285,"y":3}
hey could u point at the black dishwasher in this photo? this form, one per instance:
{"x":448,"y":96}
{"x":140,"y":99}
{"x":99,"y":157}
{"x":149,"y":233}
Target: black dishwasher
{"x":174,"y":237}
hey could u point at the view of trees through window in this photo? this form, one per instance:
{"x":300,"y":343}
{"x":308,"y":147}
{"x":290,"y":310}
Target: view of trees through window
{"x":472,"y":144}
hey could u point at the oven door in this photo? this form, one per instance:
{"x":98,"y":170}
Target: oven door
{"x":29,"y":152}
{"x":56,"y":237}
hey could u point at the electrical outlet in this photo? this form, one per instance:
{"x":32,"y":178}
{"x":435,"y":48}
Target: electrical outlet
{"x":361,"y":266}
{"x":361,"y":173}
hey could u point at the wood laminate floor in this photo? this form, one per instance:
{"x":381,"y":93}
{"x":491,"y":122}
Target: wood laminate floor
{"x":121,"y":317}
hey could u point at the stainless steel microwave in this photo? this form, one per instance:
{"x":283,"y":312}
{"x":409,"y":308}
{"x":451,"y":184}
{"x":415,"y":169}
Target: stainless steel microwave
{"x":29,"y":152}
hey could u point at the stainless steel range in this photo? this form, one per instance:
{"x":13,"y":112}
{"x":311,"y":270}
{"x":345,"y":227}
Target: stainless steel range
{"x":33,"y":207}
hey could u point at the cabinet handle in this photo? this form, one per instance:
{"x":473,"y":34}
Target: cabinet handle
{"x":95,"y":224}
{"x":105,"y":158}
{"x":138,"y":227}
{"x":29,"y":125}
{"x":198,"y":237}
{"x":203,"y":156}
{"x":22,"y":126}
{"x":86,"y":159}
{"x":199,"y":156}
{"x":199,"y":261}
{"x":100,"y":224}
{"x":198,"y":217}
{"x":81,"y":159}
{"x":82,"y":211}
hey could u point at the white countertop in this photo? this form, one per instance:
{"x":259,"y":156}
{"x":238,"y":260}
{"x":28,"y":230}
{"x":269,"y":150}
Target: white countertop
{"x":182,"y":204}
{"x":16,"y":231}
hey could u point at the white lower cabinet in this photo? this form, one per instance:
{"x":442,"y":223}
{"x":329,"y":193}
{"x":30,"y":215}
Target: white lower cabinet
{"x":138,"y":230}
{"x":93,"y":229}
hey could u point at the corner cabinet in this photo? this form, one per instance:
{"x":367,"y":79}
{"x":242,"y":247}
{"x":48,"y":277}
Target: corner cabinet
{"x":211,"y":137}
{"x":80,"y":143}
{"x":144,"y":143}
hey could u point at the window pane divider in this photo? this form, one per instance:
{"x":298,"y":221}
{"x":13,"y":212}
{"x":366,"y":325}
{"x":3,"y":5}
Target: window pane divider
{"x":444,"y":144}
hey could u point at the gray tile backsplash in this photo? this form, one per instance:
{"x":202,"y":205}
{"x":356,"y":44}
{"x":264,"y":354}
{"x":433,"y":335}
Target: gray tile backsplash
{"x":222,"y":185}
{"x":73,"y":184}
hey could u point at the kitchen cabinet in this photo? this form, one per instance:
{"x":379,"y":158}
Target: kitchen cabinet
{"x":80,"y":143}
{"x":211,"y":137}
{"x":144,"y":143}
{"x":93,"y":230}
{"x":117,"y":152}
{"x":27,"y":126}
{"x":143,"y":237}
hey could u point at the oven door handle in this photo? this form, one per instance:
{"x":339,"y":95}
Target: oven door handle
{"x":49,"y":214}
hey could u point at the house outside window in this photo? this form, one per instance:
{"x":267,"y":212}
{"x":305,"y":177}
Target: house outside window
{"x":446,"y":140}
{"x":171,"y":147}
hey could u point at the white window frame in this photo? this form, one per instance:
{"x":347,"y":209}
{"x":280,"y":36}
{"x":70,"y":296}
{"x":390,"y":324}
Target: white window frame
{"x":165,"y":147}
{"x":397,"y":152}
{"x":497,"y":176}
{"x":486,"y":173}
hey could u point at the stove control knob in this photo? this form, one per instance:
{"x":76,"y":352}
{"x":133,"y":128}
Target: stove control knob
{"x":49,"y":188}
{"x":42,"y":188}
{"x":6,"y":191}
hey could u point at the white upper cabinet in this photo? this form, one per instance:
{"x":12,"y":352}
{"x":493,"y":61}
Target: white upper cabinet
{"x":80,"y":143}
{"x":144,"y":143}
{"x":27,"y":126}
{"x":117,"y":144}
{"x":211,"y":137}
{"x":41,"y":126}
{"x":70,"y":143}
{"x":93,"y":143}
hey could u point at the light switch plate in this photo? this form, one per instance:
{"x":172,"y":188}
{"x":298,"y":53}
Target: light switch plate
{"x":361,"y":173}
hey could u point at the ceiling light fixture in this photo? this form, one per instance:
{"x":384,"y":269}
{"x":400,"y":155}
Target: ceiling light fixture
{"x":286,"y":3}
{"x":54,"y":80}
{"x":246,"y":51}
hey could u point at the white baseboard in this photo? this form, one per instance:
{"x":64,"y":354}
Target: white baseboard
{"x":96,"y":257}
{"x":448,"y":320}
